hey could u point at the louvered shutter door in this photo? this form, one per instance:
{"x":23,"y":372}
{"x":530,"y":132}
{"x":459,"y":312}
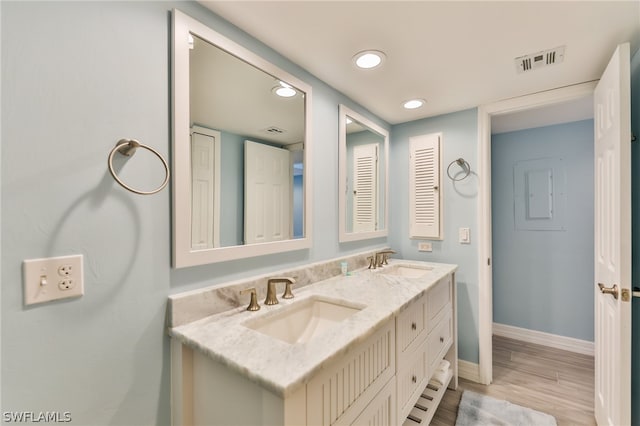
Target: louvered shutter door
{"x":365,"y":187}
{"x":425,"y":204}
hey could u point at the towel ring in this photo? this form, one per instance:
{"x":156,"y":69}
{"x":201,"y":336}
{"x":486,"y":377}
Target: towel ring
{"x":465,"y":167}
{"x":128,"y":147}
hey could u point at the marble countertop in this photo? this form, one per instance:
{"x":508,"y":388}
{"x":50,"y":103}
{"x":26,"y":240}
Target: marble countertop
{"x":282,"y":367}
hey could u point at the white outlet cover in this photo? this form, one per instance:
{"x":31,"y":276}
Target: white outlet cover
{"x":425,"y":247}
{"x":52,"y":278}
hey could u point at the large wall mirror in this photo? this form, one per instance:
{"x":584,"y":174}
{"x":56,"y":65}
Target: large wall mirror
{"x":241,"y":149}
{"x":364,"y":159}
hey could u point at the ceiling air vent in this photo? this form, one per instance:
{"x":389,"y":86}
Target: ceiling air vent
{"x":274,"y":130}
{"x":539,"y":59}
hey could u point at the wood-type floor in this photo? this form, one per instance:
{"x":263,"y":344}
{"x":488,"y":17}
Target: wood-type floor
{"x":553,"y":381}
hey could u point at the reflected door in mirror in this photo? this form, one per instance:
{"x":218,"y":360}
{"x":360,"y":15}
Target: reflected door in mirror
{"x":268,"y":197}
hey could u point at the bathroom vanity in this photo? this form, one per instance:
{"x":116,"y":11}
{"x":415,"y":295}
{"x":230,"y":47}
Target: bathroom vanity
{"x":360,"y":349}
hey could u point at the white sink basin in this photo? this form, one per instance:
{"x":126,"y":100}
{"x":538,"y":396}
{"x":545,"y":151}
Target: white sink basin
{"x":408,"y":271}
{"x":302,"y":321}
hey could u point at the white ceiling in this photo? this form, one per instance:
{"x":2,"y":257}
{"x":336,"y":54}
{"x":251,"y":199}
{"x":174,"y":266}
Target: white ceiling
{"x":454,"y":54}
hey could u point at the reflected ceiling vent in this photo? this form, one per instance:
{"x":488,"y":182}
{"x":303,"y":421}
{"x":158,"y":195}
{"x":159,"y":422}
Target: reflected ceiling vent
{"x":274,"y":130}
{"x":540,"y":59}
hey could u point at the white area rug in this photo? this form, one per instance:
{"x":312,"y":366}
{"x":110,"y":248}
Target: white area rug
{"x":476,"y":409}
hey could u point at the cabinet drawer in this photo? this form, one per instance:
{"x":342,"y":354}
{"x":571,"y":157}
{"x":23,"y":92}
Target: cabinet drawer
{"x":439,"y":341}
{"x":410,"y":325}
{"x":438,"y":297}
{"x":412,"y":379}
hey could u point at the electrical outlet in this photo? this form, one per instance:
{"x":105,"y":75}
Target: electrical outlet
{"x":52,"y":278}
{"x":66,"y":284}
{"x":65,"y":270}
{"x":425,"y":247}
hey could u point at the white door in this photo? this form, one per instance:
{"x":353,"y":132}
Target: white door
{"x":205,"y":188}
{"x":613,"y":242}
{"x":365,"y":187}
{"x":267,"y":193}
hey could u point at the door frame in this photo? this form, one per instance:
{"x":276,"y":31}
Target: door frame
{"x":485,"y":269}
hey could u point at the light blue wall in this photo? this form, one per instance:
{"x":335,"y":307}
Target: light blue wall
{"x":635,"y":226}
{"x":460,"y":139}
{"x":77,"y":77}
{"x":536,"y":272}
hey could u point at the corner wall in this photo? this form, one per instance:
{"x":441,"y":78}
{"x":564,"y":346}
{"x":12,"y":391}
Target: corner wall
{"x":459,"y":139}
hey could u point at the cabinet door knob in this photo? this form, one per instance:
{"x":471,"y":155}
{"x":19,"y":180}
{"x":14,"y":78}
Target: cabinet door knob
{"x":413,"y":326}
{"x":414,"y":379}
{"x":442,"y":340}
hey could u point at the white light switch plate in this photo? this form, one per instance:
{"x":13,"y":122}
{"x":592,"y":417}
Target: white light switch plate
{"x":464,"y":236}
{"x":52,"y":278}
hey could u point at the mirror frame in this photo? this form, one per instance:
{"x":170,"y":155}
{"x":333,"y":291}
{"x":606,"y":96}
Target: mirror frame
{"x":183,"y":254}
{"x":345,"y":236}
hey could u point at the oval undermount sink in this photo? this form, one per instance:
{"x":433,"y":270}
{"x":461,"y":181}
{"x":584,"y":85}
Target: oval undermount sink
{"x":407,"y":271}
{"x":301,"y":321}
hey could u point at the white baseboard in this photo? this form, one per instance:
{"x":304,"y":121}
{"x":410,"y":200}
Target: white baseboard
{"x":538,"y":337}
{"x":469,"y":370}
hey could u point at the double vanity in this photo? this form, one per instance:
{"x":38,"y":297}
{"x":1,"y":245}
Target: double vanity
{"x":365,"y":348}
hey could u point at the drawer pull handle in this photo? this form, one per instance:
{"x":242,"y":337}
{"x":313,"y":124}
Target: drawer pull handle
{"x":442,"y":340}
{"x":414,"y":379}
{"x":413,"y":326}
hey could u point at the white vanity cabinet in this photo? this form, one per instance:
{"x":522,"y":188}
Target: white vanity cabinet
{"x":430,"y":331}
{"x":385,"y":378}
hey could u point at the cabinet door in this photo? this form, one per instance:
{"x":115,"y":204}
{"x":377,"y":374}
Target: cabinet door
{"x":339,"y":393}
{"x":382,"y":409}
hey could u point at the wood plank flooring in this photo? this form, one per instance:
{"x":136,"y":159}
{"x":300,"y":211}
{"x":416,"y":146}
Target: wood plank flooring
{"x":553,"y":381}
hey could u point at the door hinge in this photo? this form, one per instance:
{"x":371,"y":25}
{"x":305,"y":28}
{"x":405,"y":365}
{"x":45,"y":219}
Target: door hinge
{"x":626,"y":296}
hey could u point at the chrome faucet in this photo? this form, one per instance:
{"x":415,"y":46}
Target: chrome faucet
{"x":271,"y":298}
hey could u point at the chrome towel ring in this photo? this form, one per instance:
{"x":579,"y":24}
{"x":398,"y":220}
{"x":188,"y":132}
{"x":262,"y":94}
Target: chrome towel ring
{"x":128,"y":147}
{"x":465,"y":167}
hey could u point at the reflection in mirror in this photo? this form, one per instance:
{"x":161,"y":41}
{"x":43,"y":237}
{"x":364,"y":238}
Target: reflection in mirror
{"x":241,"y":143}
{"x":364,"y":152}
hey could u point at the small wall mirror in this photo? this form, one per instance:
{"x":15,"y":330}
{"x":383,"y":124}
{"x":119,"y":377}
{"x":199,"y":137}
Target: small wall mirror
{"x":363,"y":177}
{"x":241,"y":145}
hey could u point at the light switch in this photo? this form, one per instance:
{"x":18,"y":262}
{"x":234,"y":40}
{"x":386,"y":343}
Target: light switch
{"x":464,"y":236}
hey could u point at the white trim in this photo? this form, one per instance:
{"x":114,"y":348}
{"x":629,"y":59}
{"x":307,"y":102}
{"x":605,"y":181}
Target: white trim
{"x":485,"y":280}
{"x":469,"y":370}
{"x":570,"y":344}
{"x":383,"y":230}
{"x":183,"y":255}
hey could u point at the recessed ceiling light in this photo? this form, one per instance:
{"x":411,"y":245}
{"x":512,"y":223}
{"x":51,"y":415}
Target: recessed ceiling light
{"x":414,"y":103}
{"x":369,"y":59}
{"x":284,"y":90}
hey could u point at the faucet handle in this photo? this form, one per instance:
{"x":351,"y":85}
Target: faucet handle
{"x":372,"y":262}
{"x":253,"y":304}
{"x":287,"y":290}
